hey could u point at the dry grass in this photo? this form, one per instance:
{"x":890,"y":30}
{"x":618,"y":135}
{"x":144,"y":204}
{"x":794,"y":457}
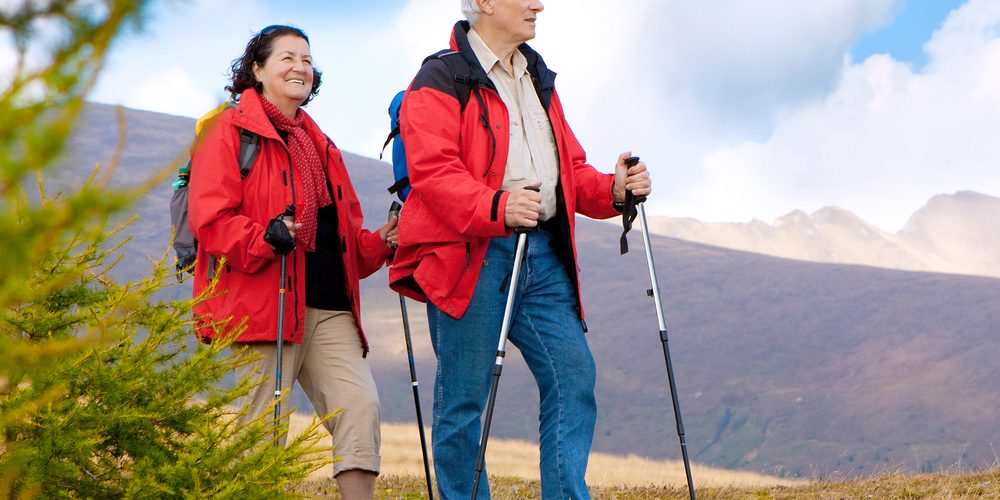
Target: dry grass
{"x":981,"y":485}
{"x":622,"y":478}
{"x":518,"y":460}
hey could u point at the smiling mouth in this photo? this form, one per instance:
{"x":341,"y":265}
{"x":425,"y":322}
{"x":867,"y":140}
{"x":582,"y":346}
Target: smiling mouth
{"x":295,"y":80}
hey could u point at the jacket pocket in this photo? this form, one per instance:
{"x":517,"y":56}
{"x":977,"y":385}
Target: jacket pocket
{"x":420,"y":225}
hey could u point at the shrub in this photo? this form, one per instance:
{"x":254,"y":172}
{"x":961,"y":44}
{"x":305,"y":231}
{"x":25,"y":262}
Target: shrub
{"x":103,"y":390}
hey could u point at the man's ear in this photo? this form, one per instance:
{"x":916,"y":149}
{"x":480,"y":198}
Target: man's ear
{"x":486,"y":6}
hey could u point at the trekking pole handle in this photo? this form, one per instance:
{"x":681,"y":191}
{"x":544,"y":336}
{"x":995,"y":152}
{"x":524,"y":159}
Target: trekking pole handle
{"x":630,"y":162}
{"x":289,"y":213}
{"x":524,"y":229}
{"x":394,"y":210}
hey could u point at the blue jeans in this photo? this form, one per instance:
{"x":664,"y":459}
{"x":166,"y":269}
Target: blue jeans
{"x":546,"y":328}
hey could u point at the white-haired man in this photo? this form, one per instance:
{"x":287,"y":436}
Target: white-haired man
{"x":468,"y":165}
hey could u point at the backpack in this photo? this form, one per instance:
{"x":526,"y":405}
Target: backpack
{"x":464,"y":85}
{"x":185,"y":244}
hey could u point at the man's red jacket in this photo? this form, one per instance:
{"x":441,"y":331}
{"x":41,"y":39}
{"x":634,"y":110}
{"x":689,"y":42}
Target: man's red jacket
{"x":456,"y":166}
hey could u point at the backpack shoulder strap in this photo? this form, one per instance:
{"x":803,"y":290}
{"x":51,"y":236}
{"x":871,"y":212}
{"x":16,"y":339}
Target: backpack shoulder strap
{"x":249,"y":147}
{"x":249,"y":141}
{"x":460,"y":73}
{"x":397,"y":102}
{"x":465,"y":84}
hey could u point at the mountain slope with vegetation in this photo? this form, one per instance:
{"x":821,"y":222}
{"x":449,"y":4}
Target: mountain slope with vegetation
{"x":783,"y":366}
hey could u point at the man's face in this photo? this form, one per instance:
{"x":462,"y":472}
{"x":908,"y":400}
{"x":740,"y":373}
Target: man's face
{"x":517,"y":17}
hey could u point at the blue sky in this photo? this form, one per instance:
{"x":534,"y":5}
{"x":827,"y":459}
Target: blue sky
{"x":910,"y":26}
{"x":742,"y":110}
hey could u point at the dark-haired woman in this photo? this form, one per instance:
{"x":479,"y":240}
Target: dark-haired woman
{"x":242,"y":238}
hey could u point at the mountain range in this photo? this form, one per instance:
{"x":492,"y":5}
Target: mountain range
{"x":783,"y":366}
{"x":953,"y":233}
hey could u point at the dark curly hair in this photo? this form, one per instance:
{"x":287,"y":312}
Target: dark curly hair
{"x":258,"y":49}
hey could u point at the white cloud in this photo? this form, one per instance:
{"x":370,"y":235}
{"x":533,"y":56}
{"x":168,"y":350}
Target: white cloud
{"x":741,"y":110}
{"x":675,"y":80}
{"x":148,"y":93}
{"x":424,"y":27}
{"x":186,"y":46}
{"x":884,"y":141}
{"x":749,"y":57}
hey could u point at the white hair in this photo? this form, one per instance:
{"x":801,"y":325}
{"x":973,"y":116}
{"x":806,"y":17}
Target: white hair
{"x":471,"y":10}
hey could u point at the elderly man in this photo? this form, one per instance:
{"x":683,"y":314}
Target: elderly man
{"x":469,"y":163}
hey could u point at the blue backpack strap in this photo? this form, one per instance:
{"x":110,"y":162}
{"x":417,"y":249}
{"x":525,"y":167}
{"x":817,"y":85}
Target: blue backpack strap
{"x":401,"y":188}
{"x":464,"y":84}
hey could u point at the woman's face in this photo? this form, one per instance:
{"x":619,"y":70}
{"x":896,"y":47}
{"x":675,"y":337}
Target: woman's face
{"x":287,"y":74}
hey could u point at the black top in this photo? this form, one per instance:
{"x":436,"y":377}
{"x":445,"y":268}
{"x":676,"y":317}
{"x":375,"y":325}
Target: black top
{"x":325,"y":276}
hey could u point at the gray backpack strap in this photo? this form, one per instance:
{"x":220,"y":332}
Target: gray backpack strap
{"x":249,"y":147}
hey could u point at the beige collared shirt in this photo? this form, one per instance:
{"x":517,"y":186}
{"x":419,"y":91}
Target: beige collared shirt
{"x":532,"y":153}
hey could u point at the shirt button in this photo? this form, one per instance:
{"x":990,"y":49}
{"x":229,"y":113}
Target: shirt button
{"x":498,"y":126}
{"x":449,"y":309}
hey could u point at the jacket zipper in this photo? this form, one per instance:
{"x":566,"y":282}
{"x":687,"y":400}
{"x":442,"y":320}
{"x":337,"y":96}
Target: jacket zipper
{"x":295,"y":257}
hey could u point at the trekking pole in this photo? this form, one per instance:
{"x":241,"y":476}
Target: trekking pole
{"x":289,"y":215}
{"x":655,"y":293}
{"x":522,"y":244}
{"x":394,"y":210}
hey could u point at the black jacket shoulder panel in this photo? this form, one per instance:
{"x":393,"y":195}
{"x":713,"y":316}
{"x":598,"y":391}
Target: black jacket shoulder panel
{"x":436,"y":75}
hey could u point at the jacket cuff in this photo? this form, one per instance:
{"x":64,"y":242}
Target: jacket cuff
{"x":375,"y":247}
{"x":260,"y":248}
{"x":609,"y":207}
{"x":500,"y":208}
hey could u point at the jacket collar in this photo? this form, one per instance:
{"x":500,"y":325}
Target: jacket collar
{"x":460,"y":43}
{"x":541,"y":75}
{"x":250,"y":116}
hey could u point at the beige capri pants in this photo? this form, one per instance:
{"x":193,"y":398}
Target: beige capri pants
{"x":332,"y":371}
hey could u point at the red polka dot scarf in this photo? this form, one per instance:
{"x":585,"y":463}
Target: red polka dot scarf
{"x":308,"y":167}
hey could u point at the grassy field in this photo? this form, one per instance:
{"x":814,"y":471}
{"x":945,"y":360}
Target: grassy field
{"x":984,"y":485}
{"x":519,"y":459}
{"x":514,"y":475}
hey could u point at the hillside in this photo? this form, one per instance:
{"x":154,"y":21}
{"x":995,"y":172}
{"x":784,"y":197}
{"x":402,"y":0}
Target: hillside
{"x":783,"y":366}
{"x":952,"y":234}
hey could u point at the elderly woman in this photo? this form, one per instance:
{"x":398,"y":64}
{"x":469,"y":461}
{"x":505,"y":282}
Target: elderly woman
{"x":243,"y":238}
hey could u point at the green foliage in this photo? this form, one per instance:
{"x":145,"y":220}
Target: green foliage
{"x":103,"y":391}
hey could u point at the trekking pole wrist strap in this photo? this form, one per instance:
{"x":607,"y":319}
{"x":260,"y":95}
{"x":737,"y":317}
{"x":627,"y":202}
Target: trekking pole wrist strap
{"x":628,"y":209}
